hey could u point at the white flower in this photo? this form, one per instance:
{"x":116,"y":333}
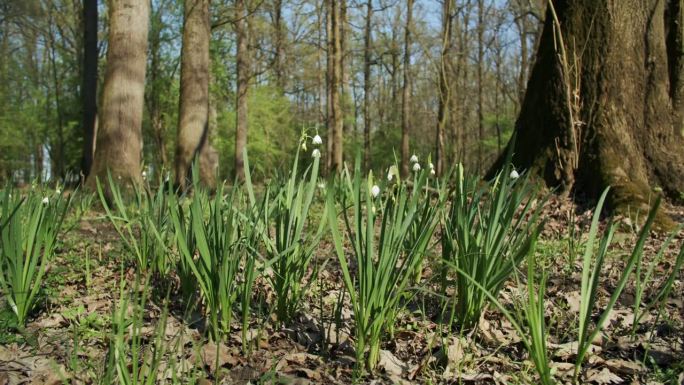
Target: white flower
{"x":46,"y":200}
{"x":375,"y":191}
{"x":58,"y":191}
{"x":316,"y":153}
{"x":144,"y":174}
{"x":414,"y":159}
{"x":303,"y":145}
{"x":432,"y":171}
{"x":321,"y":185}
{"x":317,"y":140}
{"x":514,"y":174}
{"x":392,"y":172}
{"x":416,"y":167}
{"x":432,"y":166}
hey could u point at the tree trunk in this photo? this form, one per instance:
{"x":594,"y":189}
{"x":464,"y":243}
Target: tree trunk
{"x":480,"y":83}
{"x":329,"y":120}
{"x":243,"y":76}
{"x":119,"y":140}
{"x":335,"y":83}
{"x":279,"y":62}
{"x":444,"y":90}
{"x":610,"y":119}
{"x":406,"y":93}
{"x":89,"y":85}
{"x":193,"y":117}
{"x":367,"y":40}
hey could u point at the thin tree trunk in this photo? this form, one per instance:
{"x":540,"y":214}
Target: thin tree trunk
{"x":279,"y":62}
{"x":119,"y":140}
{"x":444,"y":89}
{"x":243,"y":76}
{"x":89,"y":85}
{"x":336,"y":75}
{"x":193,"y":117}
{"x":406,"y":93}
{"x":329,"y":119}
{"x":367,"y":41}
{"x":480,"y":82}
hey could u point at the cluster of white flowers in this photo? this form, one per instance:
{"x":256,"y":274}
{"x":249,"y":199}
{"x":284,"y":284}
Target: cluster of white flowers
{"x":316,"y":141}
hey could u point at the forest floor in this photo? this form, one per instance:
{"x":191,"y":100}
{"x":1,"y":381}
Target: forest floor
{"x":67,"y":340}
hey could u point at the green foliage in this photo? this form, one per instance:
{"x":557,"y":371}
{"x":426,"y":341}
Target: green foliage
{"x":486,"y":234}
{"x":272,"y":135}
{"x":591,"y":269}
{"x":131,"y":360}
{"x":142,"y":225}
{"x":385,"y":265}
{"x":28,"y":236}
{"x":293,"y":243}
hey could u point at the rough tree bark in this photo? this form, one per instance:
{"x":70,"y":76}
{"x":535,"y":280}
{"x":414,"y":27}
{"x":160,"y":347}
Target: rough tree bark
{"x":119,"y":138}
{"x":406,"y":93}
{"x":613,"y":121}
{"x":243,"y":76}
{"x":193,"y":120}
{"x":89,"y":85}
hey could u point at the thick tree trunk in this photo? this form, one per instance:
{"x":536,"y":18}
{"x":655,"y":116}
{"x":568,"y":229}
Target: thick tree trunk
{"x":406,"y":93}
{"x":193,"y":120}
{"x":606,"y":118}
{"x":367,"y":40}
{"x":243,"y":76}
{"x":119,"y":140}
{"x":89,"y":85}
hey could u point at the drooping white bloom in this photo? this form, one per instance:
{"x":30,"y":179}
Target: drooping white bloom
{"x":58,"y":191}
{"x":414,"y":159}
{"x":144,"y":174}
{"x":514,"y":174}
{"x":317,"y":140}
{"x":46,"y":200}
{"x":321,"y":185}
{"x":316,"y":153}
{"x":304,"y":145}
{"x":416,"y":167}
{"x":432,"y":166}
{"x":375,"y":191}
{"x":393,"y":170}
{"x":432,"y":171}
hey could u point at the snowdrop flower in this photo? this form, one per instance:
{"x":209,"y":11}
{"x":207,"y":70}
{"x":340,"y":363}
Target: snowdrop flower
{"x":416,"y":167}
{"x":514,"y":174}
{"x":58,"y":191}
{"x":46,"y":200}
{"x":316,"y":153}
{"x":392,"y":172}
{"x":432,"y":166}
{"x":414,"y":159}
{"x":321,"y":185}
{"x":375,"y":191}
{"x":432,"y":171}
{"x":304,"y":145}
{"x":317,"y":140}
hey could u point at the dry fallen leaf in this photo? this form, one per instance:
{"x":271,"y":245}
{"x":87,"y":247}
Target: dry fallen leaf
{"x":391,"y":364}
{"x":604,"y":376}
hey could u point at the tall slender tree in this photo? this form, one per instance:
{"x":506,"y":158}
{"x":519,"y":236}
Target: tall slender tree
{"x":243,"y":76}
{"x":406,"y":92}
{"x":367,"y":41}
{"x":89,"y":84}
{"x":444,"y":87}
{"x":119,"y":137}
